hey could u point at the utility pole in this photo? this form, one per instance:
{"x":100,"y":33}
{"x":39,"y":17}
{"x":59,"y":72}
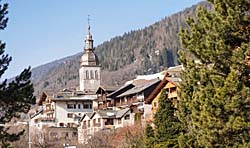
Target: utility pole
{"x":29,"y":142}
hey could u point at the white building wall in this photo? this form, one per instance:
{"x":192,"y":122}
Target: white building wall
{"x":62,"y":112}
{"x":82,"y":133}
{"x":86,"y":82}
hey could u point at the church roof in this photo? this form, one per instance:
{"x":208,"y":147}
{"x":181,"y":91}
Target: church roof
{"x":89,"y":58}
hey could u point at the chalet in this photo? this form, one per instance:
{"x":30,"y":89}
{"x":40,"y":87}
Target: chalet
{"x":103,"y":101}
{"x":170,"y":85}
{"x":134,"y":99}
{"x":45,"y":114}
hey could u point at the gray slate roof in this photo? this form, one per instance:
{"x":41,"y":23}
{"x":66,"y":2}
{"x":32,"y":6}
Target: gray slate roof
{"x":120,"y":89}
{"x":139,"y":89}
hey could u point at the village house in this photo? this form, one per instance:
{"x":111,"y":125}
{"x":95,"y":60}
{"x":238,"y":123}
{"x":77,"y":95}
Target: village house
{"x":105,"y":103}
{"x":45,"y":114}
{"x":134,"y":99}
{"x":102,"y":120}
{"x":169,"y":83}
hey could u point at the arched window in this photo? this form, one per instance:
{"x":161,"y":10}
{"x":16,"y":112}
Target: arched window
{"x":91,"y":75}
{"x":96,"y":75}
{"x":87,"y":74}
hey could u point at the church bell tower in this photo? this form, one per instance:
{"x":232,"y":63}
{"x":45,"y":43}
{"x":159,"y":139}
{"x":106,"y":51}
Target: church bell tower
{"x":90,"y":71}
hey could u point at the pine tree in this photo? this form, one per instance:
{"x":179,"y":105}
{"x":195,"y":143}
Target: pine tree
{"x":16,"y":96}
{"x":167,"y":125}
{"x":215,"y":91}
{"x":149,"y":137}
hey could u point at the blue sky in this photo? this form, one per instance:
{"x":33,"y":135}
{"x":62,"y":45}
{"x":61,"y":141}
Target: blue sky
{"x":40,"y":31}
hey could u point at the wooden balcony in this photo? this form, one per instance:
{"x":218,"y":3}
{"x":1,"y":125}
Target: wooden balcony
{"x":172,"y":94}
{"x":121,"y":104}
{"x":101,"y":98}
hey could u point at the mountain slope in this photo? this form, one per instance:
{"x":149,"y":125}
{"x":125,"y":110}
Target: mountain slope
{"x":144,"y":51}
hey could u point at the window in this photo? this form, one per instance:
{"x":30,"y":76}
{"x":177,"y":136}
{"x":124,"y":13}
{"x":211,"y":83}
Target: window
{"x":74,"y":134}
{"x":87,"y":106}
{"x":79,"y":106}
{"x":61,"y":124}
{"x":127,"y":117}
{"x":91,"y":75}
{"x":96,"y":75}
{"x":155,"y":104}
{"x":88,"y":123}
{"x":71,"y":106}
{"x":87,"y":74}
{"x":119,"y":121}
{"x":70,"y":115}
{"x":84,"y":126}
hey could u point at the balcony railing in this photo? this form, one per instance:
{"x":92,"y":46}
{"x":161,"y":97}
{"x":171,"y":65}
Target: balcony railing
{"x":122,"y":104}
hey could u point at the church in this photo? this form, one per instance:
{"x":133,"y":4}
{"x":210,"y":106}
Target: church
{"x":61,"y":111}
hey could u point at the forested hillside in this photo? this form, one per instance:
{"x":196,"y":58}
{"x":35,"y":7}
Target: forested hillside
{"x":144,"y":51}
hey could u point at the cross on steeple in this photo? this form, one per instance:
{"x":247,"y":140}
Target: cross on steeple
{"x":88,"y":24}
{"x":88,"y":19}
{"x":89,"y":40}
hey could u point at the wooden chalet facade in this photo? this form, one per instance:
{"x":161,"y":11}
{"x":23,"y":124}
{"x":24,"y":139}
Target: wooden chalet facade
{"x":104,"y":103}
{"x":170,"y":85}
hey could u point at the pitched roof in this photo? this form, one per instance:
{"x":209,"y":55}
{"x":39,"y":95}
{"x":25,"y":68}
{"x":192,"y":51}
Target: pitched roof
{"x":175,"y":71}
{"x":107,"y":89}
{"x":106,"y":114}
{"x":120,"y":90}
{"x":45,"y":94}
{"x":157,"y":90}
{"x":140,"y":88}
{"x":37,"y":113}
{"x":86,"y":114}
{"x":174,"y":80}
{"x":121,"y":113}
